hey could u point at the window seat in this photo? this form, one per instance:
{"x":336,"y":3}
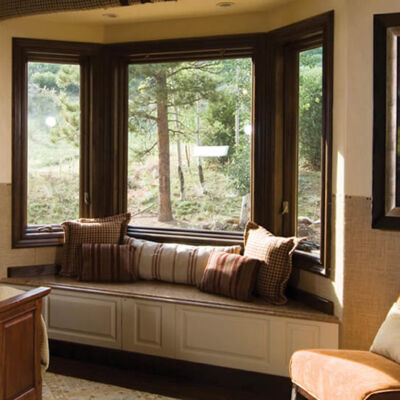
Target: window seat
{"x":175,"y":293}
{"x":179,"y":321}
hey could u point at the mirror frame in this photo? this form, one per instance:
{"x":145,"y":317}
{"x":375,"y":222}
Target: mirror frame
{"x":386,"y":158}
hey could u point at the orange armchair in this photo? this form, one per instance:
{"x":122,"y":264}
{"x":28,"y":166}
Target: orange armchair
{"x":343,"y":375}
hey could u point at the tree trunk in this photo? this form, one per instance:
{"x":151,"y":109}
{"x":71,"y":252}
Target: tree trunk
{"x":164,"y":210}
{"x":188,"y":157}
{"x":180,"y":169}
{"x":199,"y":163}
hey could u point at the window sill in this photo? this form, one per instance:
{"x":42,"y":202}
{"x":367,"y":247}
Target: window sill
{"x":309,"y":262}
{"x":35,"y":236}
{"x":186,"y":236}
{"x":38,"y":236}
{"x":301,"y":259}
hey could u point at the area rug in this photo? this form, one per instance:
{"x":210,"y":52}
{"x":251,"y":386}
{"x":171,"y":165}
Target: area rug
{"x":60,"y":387}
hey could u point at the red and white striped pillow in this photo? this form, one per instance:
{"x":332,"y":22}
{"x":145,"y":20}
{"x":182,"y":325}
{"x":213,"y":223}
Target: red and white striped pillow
{"x":171,"y":262}
{"x":106,"y":263}
{"x":230,"y":275}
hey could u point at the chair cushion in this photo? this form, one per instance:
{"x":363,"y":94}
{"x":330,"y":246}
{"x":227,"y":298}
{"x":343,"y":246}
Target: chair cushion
{"x":345,"y":374}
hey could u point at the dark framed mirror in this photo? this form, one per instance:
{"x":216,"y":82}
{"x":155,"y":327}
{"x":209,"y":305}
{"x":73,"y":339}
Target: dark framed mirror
{"x":386,"y":143}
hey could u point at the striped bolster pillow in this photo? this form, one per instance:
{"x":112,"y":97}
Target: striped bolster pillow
{"x":230,"y":275}
{"x":172,"y":262}
{"x":106,"y":263}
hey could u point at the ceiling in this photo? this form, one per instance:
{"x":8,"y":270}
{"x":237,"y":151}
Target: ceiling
{"x":160,"y":11}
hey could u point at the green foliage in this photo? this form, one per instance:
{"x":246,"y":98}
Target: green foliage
{"x":45,"y":80}
{"x":53,"y":153}
{"x":239,"y":168}
{"x":310,"y":108}
{"x":52,"y":199}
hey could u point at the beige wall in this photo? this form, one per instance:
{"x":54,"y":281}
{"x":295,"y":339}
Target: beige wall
{"x":355,"y":250}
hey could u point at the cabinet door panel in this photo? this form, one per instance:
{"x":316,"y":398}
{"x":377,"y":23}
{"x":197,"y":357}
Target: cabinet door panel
{"x":85,"y":318}
{"x":149,"y":327}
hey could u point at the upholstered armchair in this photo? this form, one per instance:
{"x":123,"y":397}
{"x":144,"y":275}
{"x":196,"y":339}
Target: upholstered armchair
{"x":351,"y":374}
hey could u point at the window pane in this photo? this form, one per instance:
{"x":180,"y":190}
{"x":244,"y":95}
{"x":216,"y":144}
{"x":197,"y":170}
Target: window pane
{"x":53,"y":142}
{"x":189,"y":144}
{"x":310,"y":136}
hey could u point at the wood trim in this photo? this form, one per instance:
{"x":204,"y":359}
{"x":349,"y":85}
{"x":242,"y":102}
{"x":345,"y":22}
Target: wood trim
{"x":33,"y":270}
{"x":25,"y":50}
{"x":215,"y":47}
{"x":287,"y":43}
{"x":310,"y":299}
{"x":195,"y":237}
{"x":24,"y":298}
{"x":178,"y":369}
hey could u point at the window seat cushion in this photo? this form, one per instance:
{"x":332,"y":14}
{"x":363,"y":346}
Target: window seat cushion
{"x":175,"y":293}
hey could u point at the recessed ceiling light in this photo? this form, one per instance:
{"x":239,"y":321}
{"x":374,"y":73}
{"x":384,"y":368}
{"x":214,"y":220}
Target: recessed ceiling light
{"x":110,"y":15}
{"x":224,"y":4}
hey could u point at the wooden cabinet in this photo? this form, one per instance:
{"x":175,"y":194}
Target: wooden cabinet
{"x":247,"y":341}
{"x":209,"y":335}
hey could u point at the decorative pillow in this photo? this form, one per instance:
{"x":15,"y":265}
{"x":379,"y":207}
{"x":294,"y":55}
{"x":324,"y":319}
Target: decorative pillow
{"x":387,"y":340}
{"x":121,"y":218}
{"x":230,"y":275}
{"x":171,"y":262}
{"x":96,"y":230}
{"x":276,"y":252}
{"x":106,"y":262}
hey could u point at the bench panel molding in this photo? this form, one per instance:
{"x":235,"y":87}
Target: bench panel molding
{"x":209,"y":335}
{"x":82,"y":318}
{"x":148,"y":327}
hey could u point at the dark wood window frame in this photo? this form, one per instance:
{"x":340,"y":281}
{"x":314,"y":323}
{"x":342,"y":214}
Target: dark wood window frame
{"x":105,"y":133}
{"x":30,"y":50}
{"x":286,"y":44}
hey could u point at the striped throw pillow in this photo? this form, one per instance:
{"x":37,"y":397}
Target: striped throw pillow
{"x":109,"y":230}
{"x":276,"y":252}
{"x":171,"y":262}
{"x":106,"y":263}
{"x":230,"y":275}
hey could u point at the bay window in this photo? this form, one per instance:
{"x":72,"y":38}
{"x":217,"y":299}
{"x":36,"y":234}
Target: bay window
{"x":193,"y":137}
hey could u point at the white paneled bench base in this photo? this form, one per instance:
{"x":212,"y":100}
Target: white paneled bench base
{"x":180,"y":322}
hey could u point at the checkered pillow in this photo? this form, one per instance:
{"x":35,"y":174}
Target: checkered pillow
{"x":109,"y":230}
{"x":276,"y":252}
{"x":230,"y":275}
{"x":106,"y":263}
{"x":172,"y":262}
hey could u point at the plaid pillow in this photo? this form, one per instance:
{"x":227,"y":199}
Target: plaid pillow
{"x":121,"y":218}
{"x":230,"y":275}
{"x":106,"y":262}
{"x":276,"y":252}
{"x":171,"y":262}
{"x":109,"y":230}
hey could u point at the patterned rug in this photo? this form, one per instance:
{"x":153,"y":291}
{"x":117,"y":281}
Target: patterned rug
{"x":60,"y":387}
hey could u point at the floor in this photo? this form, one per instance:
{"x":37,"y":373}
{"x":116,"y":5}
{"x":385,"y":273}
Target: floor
{"x":229,"y":387}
